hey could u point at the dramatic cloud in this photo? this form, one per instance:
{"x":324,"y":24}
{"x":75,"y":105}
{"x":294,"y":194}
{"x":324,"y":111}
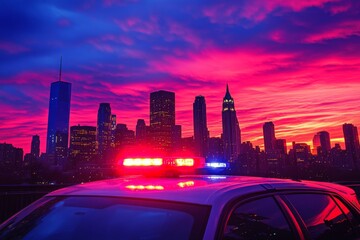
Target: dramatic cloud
{"x":296,"y":63}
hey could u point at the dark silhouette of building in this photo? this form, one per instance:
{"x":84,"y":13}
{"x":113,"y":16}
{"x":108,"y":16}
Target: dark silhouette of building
{"x":113,"y":127}
{"x":10,"y":158}
{"x":316,"y":144}
{"x":142,"y":131}
{"x":322,"y":143}
{"x":231,"y":130}
{"x":186,"y":146}
{"x":162,"y":119}
{"x":58,"y":121}
{"x":104,"y":130}
{"x":82,"y":144}
{"x":337,"y":158}
{"x":123,"y":137}
{"x":201,"y":134}
{"x":269,"y":137}
{"x":301,"y":153}
{"x":176,"y":137}
{"x":280,"y":146}
{"x":216,"y":150}
{"x":35,"y":146}
{"x":351,"y":137}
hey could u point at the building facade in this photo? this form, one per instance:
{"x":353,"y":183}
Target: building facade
{"x":58,"y":122}
{"x":82,"y":144}
{"x":201,"y":134}
{"x":231,"y":130}
{"x":269,"y":137}
{"x":104,"y":135}
{"x":162,"y":119}
{"x":351,"y":137}
{"x":35,"y":146}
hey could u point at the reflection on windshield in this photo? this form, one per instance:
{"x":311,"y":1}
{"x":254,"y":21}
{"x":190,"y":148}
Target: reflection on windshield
{"x":109,"y":218}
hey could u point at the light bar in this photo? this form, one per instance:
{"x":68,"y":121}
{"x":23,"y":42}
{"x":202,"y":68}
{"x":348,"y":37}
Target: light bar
{"x":145,"y":187}
{"x":129,"y":162}
{"x":184,"y":162}
{"x":216,"y":165}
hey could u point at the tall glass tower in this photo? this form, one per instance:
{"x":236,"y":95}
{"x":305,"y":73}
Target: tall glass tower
{"x":352,"y":145}
{"x":201,"y":134}
{"x":231,"y":130}
{"x":269,"y":137}
{"x":35,"y":146}
{"x":58,"y":121}
{"x":104,"y":129}
{"x":162,"y":118}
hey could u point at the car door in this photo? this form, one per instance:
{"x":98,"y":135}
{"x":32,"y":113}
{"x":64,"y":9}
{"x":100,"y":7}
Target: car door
{"x":262,"y":217}
{"x":323,"y":215}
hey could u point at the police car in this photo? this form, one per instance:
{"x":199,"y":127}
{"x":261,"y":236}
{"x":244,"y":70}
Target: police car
{"x":189,"y":207}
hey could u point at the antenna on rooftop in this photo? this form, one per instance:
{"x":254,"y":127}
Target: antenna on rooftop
{"x":60,"y":69}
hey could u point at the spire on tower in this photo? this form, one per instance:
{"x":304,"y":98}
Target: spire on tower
{"x":60,"y":69}
{"x":227,"y":95}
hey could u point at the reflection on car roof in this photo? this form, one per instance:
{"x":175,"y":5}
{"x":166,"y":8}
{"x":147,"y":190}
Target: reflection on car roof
{"x":193,"y":189}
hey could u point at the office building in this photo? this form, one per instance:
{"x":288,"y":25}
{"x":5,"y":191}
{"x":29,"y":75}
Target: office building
{"x":269,"y":137}
{"x":104,"y":130}
{"x":231,"y":130}
{"x":58,"y":121}
{"x":35,"y":146}
{"x":201,"y":134}
{"x":351,"y":137}
{"x":82,"y":144}
{"x":162,"y":119}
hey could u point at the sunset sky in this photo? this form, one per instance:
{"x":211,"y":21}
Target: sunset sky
{"x":296,"y":63}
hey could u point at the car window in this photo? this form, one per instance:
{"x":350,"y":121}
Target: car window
{"x":350,"y":216}
{"x":322,"y":217}
{"x":258,"y":219}
{"x":110,"y":218}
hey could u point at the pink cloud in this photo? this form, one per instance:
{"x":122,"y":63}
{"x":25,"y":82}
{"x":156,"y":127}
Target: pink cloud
{"x":221,"y":65}
{"x":342,"y":30}
{"x":340,"y":8}
{"x":256,"y":10}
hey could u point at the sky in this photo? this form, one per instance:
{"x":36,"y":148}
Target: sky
{"x":296,"y":63}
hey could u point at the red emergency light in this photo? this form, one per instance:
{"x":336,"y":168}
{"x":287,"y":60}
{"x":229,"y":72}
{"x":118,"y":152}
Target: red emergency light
{"x":167,"y":166}
{"x":129,"y":162}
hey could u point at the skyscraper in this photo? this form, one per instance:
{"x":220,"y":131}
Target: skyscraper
{"x":141,"y":130}
{"x":82,"y":144}
{"x":351,"y":137}
{"x":113,"y":128}
{"x":123,"y":137}
{"x":201,"y":134}
{"x":58,"y":121}
{"x":269,"y":137}
{"x":325,"y":144}
{"x":104,"y":129}
{"x":316,"y":143}
{"x":35,"y":146}
{"x":280,"y":146}
{"x":231,"y":129}
{"x":162,"y":118}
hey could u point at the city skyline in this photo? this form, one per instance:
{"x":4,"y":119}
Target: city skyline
{"x":289,"y":143}
{"x":293,"y":63}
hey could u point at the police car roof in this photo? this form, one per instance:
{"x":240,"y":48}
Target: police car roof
{"x":205,"y":190}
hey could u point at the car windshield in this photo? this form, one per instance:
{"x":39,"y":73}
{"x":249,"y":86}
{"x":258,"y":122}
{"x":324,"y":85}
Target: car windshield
{"x":109,"y":218}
